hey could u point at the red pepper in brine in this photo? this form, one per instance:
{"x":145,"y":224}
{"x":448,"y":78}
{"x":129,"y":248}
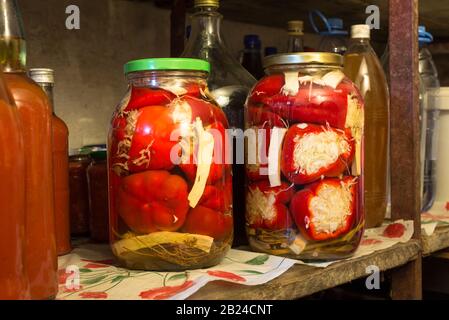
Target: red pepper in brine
{"x":266,"y":206}
{"x":326,"y":209}
{"x":311,"y":151}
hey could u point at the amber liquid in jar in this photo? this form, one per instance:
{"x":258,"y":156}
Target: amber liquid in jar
{"x":60,"y":135}
{"x":13,"y":280}
{"x":97,"y":175}
{"x":61,"y":181}
{"x":36,"y":119}
{"x":373,"y":85}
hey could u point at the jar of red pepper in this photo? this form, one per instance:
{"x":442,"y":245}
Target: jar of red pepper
{"x":170,"y":187}
{"x":97,"y":178}
{"x":304,"y":159}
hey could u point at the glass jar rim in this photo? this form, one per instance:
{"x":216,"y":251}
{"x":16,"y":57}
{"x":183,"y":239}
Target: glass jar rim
{"x":303,"y":58}
{"x":161,"y":64}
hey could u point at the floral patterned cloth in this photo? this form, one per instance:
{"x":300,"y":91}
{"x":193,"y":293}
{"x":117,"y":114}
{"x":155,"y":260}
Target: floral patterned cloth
{"x":437,"y":216}
{"x":89,"y":272}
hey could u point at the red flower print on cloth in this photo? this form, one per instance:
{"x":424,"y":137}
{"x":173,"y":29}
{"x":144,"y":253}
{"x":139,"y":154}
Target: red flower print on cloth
{"x":74,"y":289}
{"x":93,"y":295}
{"x":447,"y":206}
{"x":165,"y":292}
{"x":62,"y":276}
{"x":369,"y":242}
{"x":394,"y":230}
{"x":226,"y":275}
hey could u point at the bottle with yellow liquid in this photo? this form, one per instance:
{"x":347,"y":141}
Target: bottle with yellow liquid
{"x":363,"y":67}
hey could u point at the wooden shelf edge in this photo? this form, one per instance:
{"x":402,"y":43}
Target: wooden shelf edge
{"x":439,"y":240}
{"x":301,"y":281}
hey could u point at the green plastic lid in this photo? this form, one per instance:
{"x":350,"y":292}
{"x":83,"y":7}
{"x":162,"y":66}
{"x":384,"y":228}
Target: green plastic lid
{"x":167,"y":64}
{"x":99,"y":155}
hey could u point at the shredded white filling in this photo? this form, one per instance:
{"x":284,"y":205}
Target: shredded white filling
{"x":315,"y":151}
{"x":260,"y":206}
{"x":331,"y":207}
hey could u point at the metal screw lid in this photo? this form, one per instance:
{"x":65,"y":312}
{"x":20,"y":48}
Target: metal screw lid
{"x":42,"y":75}
{"x":206,"y":3}
{"x":360,"y":31}
{"x":326,"y":58}
{"x":295,"y":27}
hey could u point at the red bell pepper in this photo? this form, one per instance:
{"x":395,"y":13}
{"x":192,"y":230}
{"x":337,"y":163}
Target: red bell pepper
{"x":312,"y":104}
{"x":326,"y":209}
{"x":266,"y":207}
{"x":208,"y":222}
{"x":145,"y":97}
{"x":258,"y":170}
{"x":311,"y":151}
{"x":258,"y":116}
{"x":267,"y":87}
{"x":207,"y":111}
{"x":153,"y":200}
{"x":218,"y":197}
{"x":151,"y":145}
{"x":218,"y":165}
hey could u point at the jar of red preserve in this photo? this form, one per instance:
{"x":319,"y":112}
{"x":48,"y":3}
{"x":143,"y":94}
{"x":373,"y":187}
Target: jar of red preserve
{"x":304,"y":159}
{"x":170,"y":187}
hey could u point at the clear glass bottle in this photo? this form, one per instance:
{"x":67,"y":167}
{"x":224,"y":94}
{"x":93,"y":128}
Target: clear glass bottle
{"x":429,"y":115}
{"x":252,"y":57}
{"x":13,"y":280}
{"x":269,"y":51}
{"x":295,"y":42}
{"x":334,"y":37}
{"x":36,"y":119}
{"x":363,"y":67}
{"x":228,"y":83}
{"x":429,"y":77}
{"x":45,"y":79}
{"x":305,"y":165}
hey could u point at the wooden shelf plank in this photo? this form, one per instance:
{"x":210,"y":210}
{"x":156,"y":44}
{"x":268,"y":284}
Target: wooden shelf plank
{"x":273,"y":13}
{"x":439,"y":240}
{"x":301,"y":281}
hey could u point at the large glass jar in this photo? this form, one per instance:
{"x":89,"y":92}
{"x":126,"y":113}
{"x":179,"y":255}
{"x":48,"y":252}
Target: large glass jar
{"x":170,"y":190}
{"x":304,"y":161}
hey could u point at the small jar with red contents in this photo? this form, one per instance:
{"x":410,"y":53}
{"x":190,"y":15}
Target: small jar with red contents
{"x":304,"y":159}
{"x":170,"y":184}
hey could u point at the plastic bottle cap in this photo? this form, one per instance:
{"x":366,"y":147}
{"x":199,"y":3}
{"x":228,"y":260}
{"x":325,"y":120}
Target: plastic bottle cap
{"x":42,"y":75}
{"x":424,"y":37}
{"x":360,"y":31}
{"x":206,"y":3}
{"x":335,"y":23}
{"x":252,"y":41}
{"x":295,"y":27}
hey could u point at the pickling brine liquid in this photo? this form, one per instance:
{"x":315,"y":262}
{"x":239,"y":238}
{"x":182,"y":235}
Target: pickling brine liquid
{"x":366,"y":72}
